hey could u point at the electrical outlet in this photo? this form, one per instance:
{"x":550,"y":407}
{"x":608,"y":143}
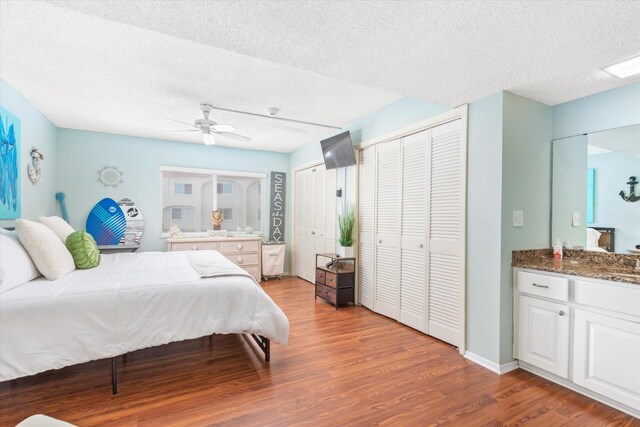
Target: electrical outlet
{"x":518,"y":218}
{"x":576,"y":219}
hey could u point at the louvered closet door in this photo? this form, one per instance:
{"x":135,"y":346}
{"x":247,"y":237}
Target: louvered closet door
{"x":386,"y":296}
{"x":446,"y":231}
{"x":330,"y":210}
{"x":367,"y":225}
{"x":308,"y":239}
{"x":413,"y":274}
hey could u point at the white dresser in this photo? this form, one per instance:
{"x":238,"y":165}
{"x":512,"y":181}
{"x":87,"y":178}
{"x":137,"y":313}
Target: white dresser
{"x":580,"y":332}
{"x":242,"y":251}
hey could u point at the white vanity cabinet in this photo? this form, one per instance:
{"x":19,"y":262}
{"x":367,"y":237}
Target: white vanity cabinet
{"x":543,"y":335}
{"x":581,"y":333}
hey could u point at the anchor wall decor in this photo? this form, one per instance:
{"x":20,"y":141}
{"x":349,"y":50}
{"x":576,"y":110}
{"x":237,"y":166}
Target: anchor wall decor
{"x":632,"y":197}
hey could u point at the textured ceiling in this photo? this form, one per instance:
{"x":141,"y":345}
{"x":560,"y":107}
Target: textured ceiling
{"x":89,"y":73}
{"x":122,"y":66}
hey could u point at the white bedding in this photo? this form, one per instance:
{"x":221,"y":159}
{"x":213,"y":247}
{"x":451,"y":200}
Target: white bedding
{"x":131,"y":301}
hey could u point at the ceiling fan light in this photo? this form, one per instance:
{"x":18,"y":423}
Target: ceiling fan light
{"x":207,"y":137}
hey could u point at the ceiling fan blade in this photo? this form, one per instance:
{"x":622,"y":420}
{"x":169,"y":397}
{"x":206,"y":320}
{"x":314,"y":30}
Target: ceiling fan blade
{"x":184,"y":130}
{"x":267,"y":116}
{"x":234,"y":136}
{"x":184,"y":123}
{"x":223,"y":128}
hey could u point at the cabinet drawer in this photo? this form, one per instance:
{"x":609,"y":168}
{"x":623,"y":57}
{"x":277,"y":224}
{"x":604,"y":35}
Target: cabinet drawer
{"x":240,"y":246}
{"x":253,"y":271}
{"x":193,"y":246}
{"x":243,"y":259}
{"x":331,"y":279}
{"x":543,"y":285}
{"x":320,"y":276}
{"x":610,"y":297}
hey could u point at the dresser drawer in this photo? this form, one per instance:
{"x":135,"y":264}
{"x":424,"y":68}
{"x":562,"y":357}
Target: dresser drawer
{"x":320,"y":276}
{"x":193,"y":246}
{"x":239,"y":247}
{"x":326,"y":293}
{"x":243,"y":259}
{"x":253,"y":271}
{"x":543,"y":285}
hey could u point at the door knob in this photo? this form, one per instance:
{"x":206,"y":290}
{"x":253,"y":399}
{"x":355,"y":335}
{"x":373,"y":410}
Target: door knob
{"x":313,"y":232}
{"x":561,"y":313}
{"x":421,"y":246}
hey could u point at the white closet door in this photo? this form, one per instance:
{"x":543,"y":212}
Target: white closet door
{"x":367,"y":225}
{"x":386,"y":296}
{"x":319,"y":220}
{"x":330,"y":210}
{"x":413,"y":274}
{"x":446,"y":232}
{"x":299,"y":224}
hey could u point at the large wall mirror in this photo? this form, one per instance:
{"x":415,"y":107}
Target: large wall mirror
{"x":595,"y":201}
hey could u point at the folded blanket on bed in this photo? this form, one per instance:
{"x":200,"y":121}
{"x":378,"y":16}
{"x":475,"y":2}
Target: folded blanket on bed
{"x":214,"y":264}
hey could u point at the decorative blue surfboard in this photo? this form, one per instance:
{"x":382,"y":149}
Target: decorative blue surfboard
{"x":106,"y":222}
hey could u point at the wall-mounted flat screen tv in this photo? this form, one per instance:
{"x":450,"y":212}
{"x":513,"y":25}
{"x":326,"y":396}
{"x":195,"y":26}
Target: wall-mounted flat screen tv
{"x":338,"y":151}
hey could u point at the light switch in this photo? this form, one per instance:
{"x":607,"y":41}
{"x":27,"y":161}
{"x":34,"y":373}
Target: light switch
{"x":518,"y":218}
{"x":576,"y":219}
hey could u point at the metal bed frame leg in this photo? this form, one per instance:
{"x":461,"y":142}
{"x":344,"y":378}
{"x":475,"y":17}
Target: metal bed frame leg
{"x":114,"y":376}
{"x":264,"y":344}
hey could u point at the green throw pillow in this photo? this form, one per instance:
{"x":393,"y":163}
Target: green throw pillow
{"x":84,"y":249}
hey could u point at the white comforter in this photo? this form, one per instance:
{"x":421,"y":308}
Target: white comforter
{"x":129,"y":302}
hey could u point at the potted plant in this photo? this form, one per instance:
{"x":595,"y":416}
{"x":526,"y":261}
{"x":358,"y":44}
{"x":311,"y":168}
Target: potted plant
{"x":346,"y":223}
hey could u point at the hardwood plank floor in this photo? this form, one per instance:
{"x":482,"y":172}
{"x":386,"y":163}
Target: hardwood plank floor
{"x":345,"y":367}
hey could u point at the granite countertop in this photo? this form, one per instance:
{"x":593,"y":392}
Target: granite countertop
{"x":596,"y":265}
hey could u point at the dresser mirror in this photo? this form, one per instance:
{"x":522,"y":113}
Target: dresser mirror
{"x":595,"y":195}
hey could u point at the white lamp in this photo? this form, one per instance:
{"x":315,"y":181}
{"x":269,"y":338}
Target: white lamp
{"x":208,"y":137}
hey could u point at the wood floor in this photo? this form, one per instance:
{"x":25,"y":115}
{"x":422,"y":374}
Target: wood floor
{"x":342,"y":368}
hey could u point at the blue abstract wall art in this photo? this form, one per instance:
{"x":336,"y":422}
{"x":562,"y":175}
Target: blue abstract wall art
{"x":9,"y":165}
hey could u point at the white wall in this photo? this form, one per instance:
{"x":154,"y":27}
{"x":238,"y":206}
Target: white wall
{"x":39,"y":132}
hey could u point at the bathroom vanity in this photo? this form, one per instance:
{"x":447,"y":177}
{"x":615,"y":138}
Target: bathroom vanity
{"x":577,"y":323}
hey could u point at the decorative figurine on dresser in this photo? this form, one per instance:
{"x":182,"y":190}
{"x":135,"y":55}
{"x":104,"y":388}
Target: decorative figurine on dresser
{"x":335,"y":279}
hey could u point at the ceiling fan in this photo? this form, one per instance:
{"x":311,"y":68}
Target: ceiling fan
{"x":208,"y":128}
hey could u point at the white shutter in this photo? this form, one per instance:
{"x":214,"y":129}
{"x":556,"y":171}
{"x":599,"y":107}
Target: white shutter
{"x":366,"y":225}
{"x":386,"y":297}
{"x":446,"y":232}
{"x":330,"y":210}
{"x":413,"y":274}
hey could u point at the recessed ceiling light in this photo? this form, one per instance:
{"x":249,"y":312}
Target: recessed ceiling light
{"x":624,"y":69}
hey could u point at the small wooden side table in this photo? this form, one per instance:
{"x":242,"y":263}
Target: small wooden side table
{"x":335,"y":280}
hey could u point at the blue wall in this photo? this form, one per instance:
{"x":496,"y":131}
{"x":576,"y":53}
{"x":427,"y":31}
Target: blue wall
{"x":39,"y":132}
{"x":606,"y":110}
{"x":81,"y":154}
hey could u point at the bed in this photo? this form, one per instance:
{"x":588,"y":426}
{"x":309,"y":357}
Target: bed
{"x":129,"y":302}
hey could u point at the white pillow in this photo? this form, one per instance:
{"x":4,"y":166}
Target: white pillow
{"x":58,"y":226}
{"x":48,"y":253}
{"x":16,"y":266}
{"x":593,"y":236}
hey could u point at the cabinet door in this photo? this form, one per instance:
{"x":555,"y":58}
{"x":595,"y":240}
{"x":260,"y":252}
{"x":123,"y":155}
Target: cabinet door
{"x":446,"y":231}
{"x":543,"y":335}
{"x":413,"y":274}
{"x":606,"y":356}
{"x":367,"y":225}
{"x":386,"y":297}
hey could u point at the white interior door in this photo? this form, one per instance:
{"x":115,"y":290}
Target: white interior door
{"x":446,"y":220}
{"x":330,"y":210}
{"x":298,"y":246}
{"x":367,"y":225}
{"x":319,"y":211}
{"x":386,"y":296}
{"x":413,"y":274}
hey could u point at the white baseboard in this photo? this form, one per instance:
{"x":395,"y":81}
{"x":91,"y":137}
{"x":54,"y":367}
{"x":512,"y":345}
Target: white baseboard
{"x":492,"y":366}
